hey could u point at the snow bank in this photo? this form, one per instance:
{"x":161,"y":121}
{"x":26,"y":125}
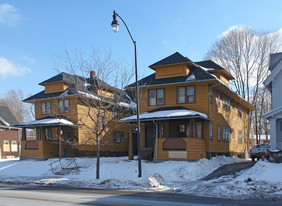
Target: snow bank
{"x":264,"y":180}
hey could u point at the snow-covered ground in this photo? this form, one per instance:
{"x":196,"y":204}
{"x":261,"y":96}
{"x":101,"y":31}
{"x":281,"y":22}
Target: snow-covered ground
{"x":264,"y":180}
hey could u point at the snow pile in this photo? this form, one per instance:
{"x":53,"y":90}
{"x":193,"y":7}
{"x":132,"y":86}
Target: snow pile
{"x":264,"y":180}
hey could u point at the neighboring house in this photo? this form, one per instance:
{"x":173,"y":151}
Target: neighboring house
{"x":9,"y":135}
{"x":177,"y":119}
{"x":63,"y":118}
{"x":274,"y":84}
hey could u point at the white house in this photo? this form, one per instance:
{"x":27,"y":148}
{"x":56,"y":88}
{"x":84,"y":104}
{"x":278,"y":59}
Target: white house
{"x":274,"y":84}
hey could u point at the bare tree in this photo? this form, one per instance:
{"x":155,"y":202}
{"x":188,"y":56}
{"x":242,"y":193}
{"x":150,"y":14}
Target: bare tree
{"x":245,"y":54}
{"x":99,"y":83}
{"x":14,"y":101}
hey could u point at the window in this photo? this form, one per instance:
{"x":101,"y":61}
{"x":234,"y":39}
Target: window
{"x":239,"y":137}
{"x":226,"y":103}
{"x":182,"y":128}
{"x":190,"y":94}
{"x":101,"y":123}
{"x":160,"y":96}
{"x":199,"y":129}
{"x":115,"y":114}
{"x":45,"y":107}
{"x":64,"y":106}
{"x":49,"y":134}
{"x":118,"y":136}
{"x":233,"y":133}
{"x":245,"y":138}
{"x":239,"y":110}
{"x":218,"y":133}
{"x":210,"y":95}
{"x":210,"y":131}
{"x":181,"y":95}
{"x":14,"y":146}
{"x":161,"y":129}
{"x":226,"y":133}
{"x":156,"y":97}
{"x":6,"y":146}
{"x":218,"y":99}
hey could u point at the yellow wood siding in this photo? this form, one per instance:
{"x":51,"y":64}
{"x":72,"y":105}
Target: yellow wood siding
{"x":171,"y":71}
{"x":55,"y":87}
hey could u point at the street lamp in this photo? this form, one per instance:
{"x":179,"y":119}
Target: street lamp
{"x":115,"y":26}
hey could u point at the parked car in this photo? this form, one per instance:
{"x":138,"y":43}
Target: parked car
{"x":260,"y":151}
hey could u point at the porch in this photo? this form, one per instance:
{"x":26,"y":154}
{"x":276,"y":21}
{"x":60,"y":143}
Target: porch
{"x":55,"y":136}
{"x":173,"y":133}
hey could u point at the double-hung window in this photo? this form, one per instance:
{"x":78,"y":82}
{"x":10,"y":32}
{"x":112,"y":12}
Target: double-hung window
{"x":64,"y":105}
{"x":218,"y":133}
{"x":156,"y":97}
{"x":239,"y":110}
{"x":226,"y":103}
{"x":45,"y":107}
{"x":240,"y":137}
{"x":186,"y":94}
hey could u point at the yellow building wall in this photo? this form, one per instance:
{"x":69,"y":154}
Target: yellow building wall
{"x":55,"y":87}
{"x":45,"y":149}
{"x":106,"y":138}
{"x":71,"y":115}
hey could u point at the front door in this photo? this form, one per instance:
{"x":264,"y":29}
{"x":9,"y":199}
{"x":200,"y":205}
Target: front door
{"x":149,"y":135}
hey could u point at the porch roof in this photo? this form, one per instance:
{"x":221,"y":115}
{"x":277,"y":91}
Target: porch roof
{"x":167,"y":113}
{"x":47,"y":122}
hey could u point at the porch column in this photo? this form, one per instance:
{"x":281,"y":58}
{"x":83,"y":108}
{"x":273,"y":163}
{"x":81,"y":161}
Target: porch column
{"x":273,"y":123}
{"x":24,"y":134}
{"x":130,"y":145}
{"x":61,"y":149}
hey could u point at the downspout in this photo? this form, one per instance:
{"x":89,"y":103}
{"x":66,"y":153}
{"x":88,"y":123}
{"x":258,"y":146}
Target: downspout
{"x":157,"y":129}
{"x":210,"y":90}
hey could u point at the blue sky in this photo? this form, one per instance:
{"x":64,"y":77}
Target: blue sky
{"x":34,"y":33}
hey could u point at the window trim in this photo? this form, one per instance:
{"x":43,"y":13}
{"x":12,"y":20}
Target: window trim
{"x":185,"y":97}
{"x":156,"y":97}
{"x":226,"y":107}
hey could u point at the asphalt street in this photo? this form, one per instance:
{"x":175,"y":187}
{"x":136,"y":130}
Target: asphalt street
{"x":29,"y":195}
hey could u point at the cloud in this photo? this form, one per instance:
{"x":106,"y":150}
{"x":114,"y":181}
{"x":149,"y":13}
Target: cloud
{"x":28,"y":59}
{"x":8,"y":68}
{"x":8,"y":14}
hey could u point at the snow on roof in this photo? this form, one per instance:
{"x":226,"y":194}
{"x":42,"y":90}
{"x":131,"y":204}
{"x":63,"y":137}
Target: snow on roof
{"x":47,"y":122}
{"x":168,"y":114}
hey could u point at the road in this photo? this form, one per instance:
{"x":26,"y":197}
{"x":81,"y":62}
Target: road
{"x":29,"y":195}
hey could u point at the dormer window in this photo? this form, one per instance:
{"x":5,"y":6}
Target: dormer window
{"x":46,"y":107}
{"x":156,"y":97}
{"x":64,"y":106}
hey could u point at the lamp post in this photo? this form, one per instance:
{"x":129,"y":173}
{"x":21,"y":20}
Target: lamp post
{"x":115,"y":26}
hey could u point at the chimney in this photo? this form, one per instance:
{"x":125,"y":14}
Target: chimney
{"x":92,"y":74}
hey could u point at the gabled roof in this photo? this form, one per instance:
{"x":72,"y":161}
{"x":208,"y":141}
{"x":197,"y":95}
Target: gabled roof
{"x":274,"y":60}
{"x":273,"y":74}
{"x":209,"y":64}
{"x":172,"y":59}
{"x":6,"y":117}
{"x":273,"y":112}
